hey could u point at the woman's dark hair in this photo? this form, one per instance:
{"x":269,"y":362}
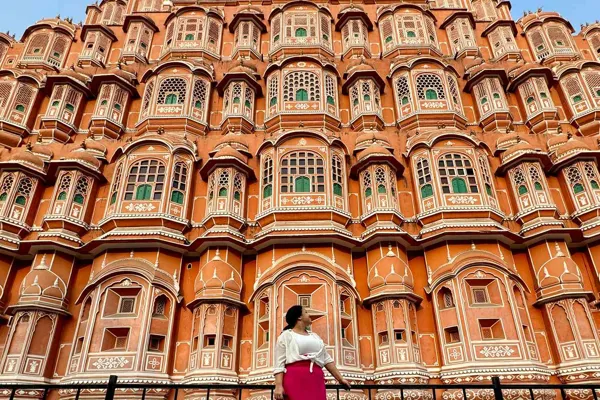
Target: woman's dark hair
{"x":292,"y":316}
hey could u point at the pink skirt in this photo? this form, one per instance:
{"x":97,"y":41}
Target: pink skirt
{"x":300,"y":384}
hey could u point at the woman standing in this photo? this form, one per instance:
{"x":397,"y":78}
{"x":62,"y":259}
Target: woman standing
{"x":296,"y":353}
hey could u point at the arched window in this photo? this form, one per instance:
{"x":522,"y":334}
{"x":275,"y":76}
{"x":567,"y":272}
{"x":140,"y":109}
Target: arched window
{"x":200,"y":98}
{"x":238,"y":188}
{"x":24,"y":190}
{"x":337,"y":175}
{"x":301,"y":95}
{"x":160,"y":305}
{"x":273,"y":85}
{"x":558,"y":37}
{"x":431,"y":94}
{"x":574,"y":177}
{"x":302,"y":86}
{"x":267,"y":178}
{"x":592,"y":79}
{"x":366,"y":179}
{"x":300,"y":32}
{"x":380,"y":181}
{"x":487,"y":178}
{"x":591,"y":174}
{"x":302,"y":171}
{"x":64,"y":187}
{"x":572,"y":87}
{"x":445,"y":299}
{"x":172,"y":91}
{"x":424,"y":177}
{"x":455,"y":94}
{"x":430,"y":87}
{"x":7,"y":184}
{"x":171,"y":98}
{"x":534,"y":174}
{"x":457,"y":174}
{"x":81,"y":190}
{"x":114,"y":190}
{"x":330,"y":89}
{"x":59,"y":49}
{"x":223,"y":184}
{"x":145,"y":180}
{"x":38,"y":44}
{"x":179,"y":183}
{"x":403,"y":94}
{"x":302,"y":184}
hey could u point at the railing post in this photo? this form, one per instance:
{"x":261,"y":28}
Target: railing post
{"x":110,"y":388}
{"x":497,"y":388}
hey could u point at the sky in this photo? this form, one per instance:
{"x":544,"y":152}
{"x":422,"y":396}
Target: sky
{"x":16,"y":15}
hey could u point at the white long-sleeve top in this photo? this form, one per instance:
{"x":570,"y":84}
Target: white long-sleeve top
{"x":287,"y":352}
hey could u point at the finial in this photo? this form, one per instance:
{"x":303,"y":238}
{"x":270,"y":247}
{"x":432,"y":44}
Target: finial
{"x":28,"y":146}
{"x":43,"y":262}
{"x":390,"y":253}
{"x":559,"y":252}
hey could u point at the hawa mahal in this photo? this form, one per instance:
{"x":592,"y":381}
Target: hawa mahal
{"x":421,"y":175}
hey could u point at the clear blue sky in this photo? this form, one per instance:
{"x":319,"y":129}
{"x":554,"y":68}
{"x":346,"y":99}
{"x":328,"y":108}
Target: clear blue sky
{"x":16,"y":15}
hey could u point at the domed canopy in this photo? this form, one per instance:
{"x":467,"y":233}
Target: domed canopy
{"x":120,"y":75}
{"x":391,"y":277}
{"x":367,"y":139}
{"x":352,"y":11}
{"x":227,"y":154}
{"x":27,"y":159}
{"x":243,"y":71}
{"x":73,"y":76}
{"x":230,"y":152}
{"x":520,"y":74}
{"x":556,"y":141}
{"x":570,"y":149}
{"x":480,"y":70}
{"x":361,"y":69}
{"x":218,"y":280}
{"x":506,"y":141}
{"x":535,"y":18}
{"x":248,"y":13}
{"x":521,"y":150}
{"x":65,"y":26}
{"x":373,"y":150}
{"x":376,"y":153}
{"x":43,"y":289}
{"x":82,"y":156}
{"x":235,"y":140}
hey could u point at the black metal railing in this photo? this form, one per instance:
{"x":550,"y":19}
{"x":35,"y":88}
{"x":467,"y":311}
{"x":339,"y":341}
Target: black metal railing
{"x":138,"y":391}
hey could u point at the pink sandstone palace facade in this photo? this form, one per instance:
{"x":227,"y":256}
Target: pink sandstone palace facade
{"x":422,"y":175}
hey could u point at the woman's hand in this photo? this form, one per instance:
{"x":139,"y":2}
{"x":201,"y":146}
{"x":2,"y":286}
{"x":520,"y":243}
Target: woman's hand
{"x":345,"y":383}
{"x":279,"y":393}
